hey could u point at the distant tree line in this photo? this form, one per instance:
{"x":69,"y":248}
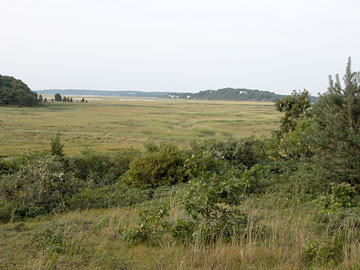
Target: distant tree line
{"x":59,"y":98}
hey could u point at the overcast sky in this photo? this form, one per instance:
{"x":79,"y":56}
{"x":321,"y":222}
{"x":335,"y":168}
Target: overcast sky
{"x":183,"y":45}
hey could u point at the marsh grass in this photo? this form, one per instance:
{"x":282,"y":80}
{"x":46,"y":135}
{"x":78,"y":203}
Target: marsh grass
{"x":113,"y":124}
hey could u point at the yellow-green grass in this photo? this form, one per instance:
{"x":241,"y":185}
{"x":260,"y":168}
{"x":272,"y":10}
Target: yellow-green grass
{"x":108,"y":124}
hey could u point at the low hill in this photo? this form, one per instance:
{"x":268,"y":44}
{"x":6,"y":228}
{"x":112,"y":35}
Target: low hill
{"x":239,"y":94}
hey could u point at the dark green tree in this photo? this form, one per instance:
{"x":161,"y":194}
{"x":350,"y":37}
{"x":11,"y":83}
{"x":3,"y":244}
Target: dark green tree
{"x":57,"y":97}
{"x":56,"y":146}
{"x":337,"y":129}
{"x":45,"y":100}
{"x":15,"y":92}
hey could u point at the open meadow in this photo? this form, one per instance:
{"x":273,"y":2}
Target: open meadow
{"x":108,"y":124}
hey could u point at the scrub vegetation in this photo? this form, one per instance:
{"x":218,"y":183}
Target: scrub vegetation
{"x":286,"y":201}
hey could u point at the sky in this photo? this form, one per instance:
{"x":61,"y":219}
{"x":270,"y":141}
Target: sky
{"x":183,"y":45}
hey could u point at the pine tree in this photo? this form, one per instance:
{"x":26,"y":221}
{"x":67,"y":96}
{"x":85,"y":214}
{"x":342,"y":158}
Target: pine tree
{"x":56,"y":146}
{"x":337,"y":129}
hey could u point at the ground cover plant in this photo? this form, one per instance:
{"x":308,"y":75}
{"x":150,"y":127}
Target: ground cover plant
{"x":287,"y":201}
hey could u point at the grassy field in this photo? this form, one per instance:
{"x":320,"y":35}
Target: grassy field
{"x":111,"y":124}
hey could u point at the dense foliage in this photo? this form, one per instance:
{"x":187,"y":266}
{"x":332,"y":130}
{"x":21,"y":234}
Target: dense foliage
{"x":15,"y":92}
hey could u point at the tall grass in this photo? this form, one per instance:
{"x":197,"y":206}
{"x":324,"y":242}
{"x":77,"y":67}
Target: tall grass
{"x":91,"y":239}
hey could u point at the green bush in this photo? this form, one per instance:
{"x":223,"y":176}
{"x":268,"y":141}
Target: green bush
{"x":256,"y":179}
{"x":37,"y":188}
{"x":151,"y":226}
{"x":13,"y":164}
{"x":163,"y":166}
{"x":322,"y":252}
{"x":211,"y":203}
{"x":338,"y":211}
{"x":182,"y":230}
{"x":91,"y":167}
{"x":98,"y":169}
{"x":241,"y":153}
{"x":342,"y":196}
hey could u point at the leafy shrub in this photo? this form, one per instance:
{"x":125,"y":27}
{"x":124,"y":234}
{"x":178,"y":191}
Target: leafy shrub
{"x":101,"y":168}
{"x":323,"y":252}
{"x":245,"y":152}
{"x":13,"y":164}
{"x":338,"y":213}
{"x":165,"y":166}
{"x":201,"y":162}
{"x":341,"y":196}
{"x":256,"y":179}
{"x":151,"y":226}
{"x":206,"y":197}
{"x":89,"y":166}
{"x":37,"y":188}
{"x":120,"y":161}
{"x":295,"y":144}
{"x":182,"y":230}
{"x":211,"y":203}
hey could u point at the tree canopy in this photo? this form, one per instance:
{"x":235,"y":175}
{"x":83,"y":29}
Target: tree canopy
{"x":15,"y":92}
